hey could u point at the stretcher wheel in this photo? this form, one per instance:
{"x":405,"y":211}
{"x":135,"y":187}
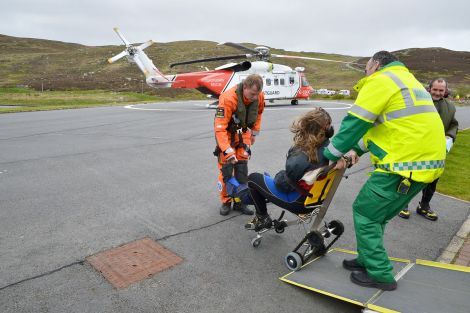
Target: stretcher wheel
{"x":255,"y":242}
{"x":280,"y":227}
{"x":293,"y":261}
{"x":337,"y":227}
{"x":279,"y":230}
{"x":316,"y":242}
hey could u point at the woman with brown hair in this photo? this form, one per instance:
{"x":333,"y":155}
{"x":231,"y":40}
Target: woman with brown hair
{"x":288,"y":190}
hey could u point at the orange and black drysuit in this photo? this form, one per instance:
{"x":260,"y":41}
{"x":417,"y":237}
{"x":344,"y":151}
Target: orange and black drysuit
{"x":236,"y":120}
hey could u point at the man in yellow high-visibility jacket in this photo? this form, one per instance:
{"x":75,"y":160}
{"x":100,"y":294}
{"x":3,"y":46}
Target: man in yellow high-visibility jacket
{"x":395,"y":119}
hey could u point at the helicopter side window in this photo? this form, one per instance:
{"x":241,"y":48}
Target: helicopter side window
{"x":268,"y":81}
{"x":282,"y":81}
{"x":291,"y":80}
{"x":276,"y":81}
{"x":305,"y":82}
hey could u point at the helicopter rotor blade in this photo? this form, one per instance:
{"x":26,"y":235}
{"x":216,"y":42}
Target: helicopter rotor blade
{"x":239,"y":47}
{"x":118,"y":32}
{"x":118,"y":56}
{"x":310,"y":58}
{"x":145,"y":45}
{"x":227,"y":57}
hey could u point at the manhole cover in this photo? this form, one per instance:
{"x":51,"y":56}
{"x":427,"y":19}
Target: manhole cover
{"x":132,"y":262}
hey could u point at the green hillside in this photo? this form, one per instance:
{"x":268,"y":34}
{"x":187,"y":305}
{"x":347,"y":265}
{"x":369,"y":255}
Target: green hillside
{"x":54,"y":65}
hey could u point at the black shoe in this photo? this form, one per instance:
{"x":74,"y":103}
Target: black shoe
{"x":362,"y":279}
{"x":426,"y":212}
{"x":259,"y":223}
{"x":352,"y":265}
{"x":405,"y":213}
{"x":225,"y":208}
{"x":239,"y":206}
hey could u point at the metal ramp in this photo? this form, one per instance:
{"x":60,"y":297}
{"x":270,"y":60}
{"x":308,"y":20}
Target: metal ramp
{"x":423,"y":286}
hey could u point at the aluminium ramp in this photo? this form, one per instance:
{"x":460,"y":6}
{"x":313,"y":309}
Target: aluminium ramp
{"x":423,"y":286}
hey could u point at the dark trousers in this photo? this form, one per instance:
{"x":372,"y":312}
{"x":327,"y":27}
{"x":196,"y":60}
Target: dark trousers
{"x":428,"y":192}
{"x":261,"y":194}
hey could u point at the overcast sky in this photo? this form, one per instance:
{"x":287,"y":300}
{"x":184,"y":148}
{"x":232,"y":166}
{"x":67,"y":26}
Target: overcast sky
{"x":357,"y":28}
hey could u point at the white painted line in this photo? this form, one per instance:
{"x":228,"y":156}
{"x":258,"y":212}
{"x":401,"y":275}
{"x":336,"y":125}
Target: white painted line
{"x":345,"y":106}
{"x":132,"y":107}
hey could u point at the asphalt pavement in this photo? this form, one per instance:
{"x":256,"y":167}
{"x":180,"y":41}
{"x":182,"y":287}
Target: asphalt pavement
{"x":77,"y":182}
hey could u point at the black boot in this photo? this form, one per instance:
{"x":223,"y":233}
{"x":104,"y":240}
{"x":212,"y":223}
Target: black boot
{"x":259,"y":222}
{"x":425,"y":211}
{"x":352,"y":265}
{"x":362,"y":279}
{"x":239,"y":206}
{"x":225,"y":208}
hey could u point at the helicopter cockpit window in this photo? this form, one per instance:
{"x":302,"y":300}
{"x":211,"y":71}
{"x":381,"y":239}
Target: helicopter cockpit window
{"x":276,"y":81}
{"x":305,"y":82}
{"x":268,"y":81}
{"x":291,"y":80}
{"x":282,"y":81}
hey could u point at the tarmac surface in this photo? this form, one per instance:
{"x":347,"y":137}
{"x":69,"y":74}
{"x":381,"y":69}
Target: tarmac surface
{"x":76,"y":182}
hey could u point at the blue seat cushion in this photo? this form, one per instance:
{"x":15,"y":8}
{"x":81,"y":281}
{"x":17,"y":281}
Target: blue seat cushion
{"x":284,"y":196}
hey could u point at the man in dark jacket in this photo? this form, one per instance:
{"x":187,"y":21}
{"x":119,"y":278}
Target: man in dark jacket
{"x":439,"y":91}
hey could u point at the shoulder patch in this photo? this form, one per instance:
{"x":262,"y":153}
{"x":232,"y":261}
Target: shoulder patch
{"x":220,"y":112}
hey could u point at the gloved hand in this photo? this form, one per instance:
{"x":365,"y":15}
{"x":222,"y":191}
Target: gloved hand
{"x":353,"y":156}
{"x":449,"y":143}
{"x":232,"y":159}
{"x":230,"y":156}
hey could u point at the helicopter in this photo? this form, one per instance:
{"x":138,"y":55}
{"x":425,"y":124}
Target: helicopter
{"x":280,"y":82}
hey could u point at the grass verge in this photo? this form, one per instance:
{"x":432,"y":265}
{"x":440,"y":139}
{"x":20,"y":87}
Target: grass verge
{"x":455,"y":181}
{"x":27,"y":100}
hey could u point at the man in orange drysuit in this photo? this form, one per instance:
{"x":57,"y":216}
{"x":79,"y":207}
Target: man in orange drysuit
{"x":237,"y":121}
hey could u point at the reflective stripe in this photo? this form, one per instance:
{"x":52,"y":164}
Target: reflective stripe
{"x":363,"y":113}
{"x":379,"y":120}
{"x":413,"y":165}
{"x":405,"y":92}
{"x":362,"y":145}
{"x":421,"y":94}
{"x":410,"y":108}
{"x":418,"y":165}
{"x":410,"y":111}
{"x":383,"y":166}
{"x":334,"y":151}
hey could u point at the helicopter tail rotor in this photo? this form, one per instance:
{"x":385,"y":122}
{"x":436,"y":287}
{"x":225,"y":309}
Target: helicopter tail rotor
{"x":153,"y":76}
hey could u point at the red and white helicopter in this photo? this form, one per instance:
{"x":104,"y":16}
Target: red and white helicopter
{"x":280,"y":81}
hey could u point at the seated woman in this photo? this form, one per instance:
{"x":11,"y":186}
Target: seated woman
{"x":287,"y":190}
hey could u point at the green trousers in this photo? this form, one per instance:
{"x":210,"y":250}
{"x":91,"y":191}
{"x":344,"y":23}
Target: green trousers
{"x":378,"y":202}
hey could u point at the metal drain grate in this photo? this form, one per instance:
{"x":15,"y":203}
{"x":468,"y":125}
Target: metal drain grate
{"x":132,"y":262}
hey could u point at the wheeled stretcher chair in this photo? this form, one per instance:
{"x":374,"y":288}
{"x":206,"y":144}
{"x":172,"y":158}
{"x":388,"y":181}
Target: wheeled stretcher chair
{"x":325,"y":184}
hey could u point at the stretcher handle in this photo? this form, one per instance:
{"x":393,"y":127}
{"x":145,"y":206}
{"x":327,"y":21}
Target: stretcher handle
{"x":325,"y":170}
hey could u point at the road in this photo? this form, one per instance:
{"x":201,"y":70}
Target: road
{"x":77,"y":182}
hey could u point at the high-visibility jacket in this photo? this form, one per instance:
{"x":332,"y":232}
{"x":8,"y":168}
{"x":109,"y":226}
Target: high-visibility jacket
{"x":395,"y":119}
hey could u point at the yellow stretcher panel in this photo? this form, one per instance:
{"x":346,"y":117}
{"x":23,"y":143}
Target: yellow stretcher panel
{"x":320,"y":189}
